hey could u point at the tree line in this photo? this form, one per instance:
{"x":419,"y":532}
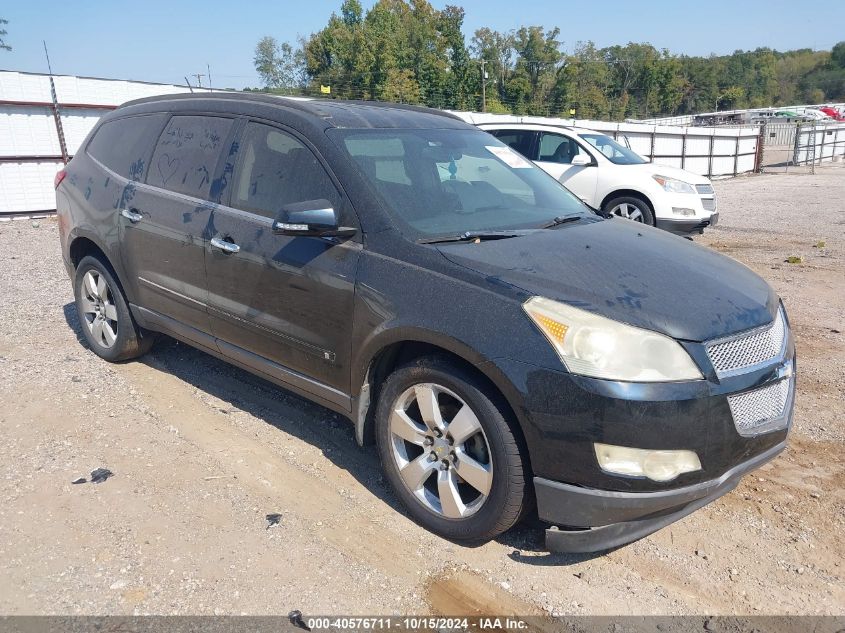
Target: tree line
{"x":408,"y":51}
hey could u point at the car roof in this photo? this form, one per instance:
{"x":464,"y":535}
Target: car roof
{"x":330,"y":112}
{"x":537,"y":127}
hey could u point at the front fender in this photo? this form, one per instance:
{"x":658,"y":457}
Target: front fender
{"x":382,"y":340}
{"x":391,"y":333}
{"x":423,"y":297}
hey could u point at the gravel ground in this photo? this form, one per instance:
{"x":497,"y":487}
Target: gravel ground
{"x":202,"y":452}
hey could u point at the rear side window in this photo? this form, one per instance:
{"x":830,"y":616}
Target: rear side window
{"x":124,"y":145}
{"x":186,"y":154}
{"x":556,"y":148}
{"x":520,"y":140}
{"x":274,"y":170}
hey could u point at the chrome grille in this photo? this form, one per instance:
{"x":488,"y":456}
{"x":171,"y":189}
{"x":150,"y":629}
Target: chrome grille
{"x":709,"y":204}
{"x":704,"y":189}
{"x":733,"y":355}
{"x":761,"y":409}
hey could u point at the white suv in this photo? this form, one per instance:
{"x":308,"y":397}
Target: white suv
{"x":609,"y":176}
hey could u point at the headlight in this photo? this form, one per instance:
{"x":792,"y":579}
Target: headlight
{"x":596,"y":346}
{"x":673,"y":185}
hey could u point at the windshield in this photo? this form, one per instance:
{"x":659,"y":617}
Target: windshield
{"x":613,"y":151}
{"x":449,"y":182}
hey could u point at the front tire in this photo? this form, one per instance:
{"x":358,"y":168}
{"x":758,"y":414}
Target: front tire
{"x":448,"y":451}
{"x":630,"y":208}
{"x":104,"y":317}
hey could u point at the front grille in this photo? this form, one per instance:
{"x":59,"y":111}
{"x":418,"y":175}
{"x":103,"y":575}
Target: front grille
{"x":762,"y":409}
{"x":704,"y":189}
{"x":736,"y":354}
{"x":709,"y":204}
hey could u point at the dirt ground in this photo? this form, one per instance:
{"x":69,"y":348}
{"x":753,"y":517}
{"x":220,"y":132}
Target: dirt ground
{"x":202,"y":451}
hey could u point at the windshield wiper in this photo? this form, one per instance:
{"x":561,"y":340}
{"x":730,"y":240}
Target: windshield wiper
{"x":471,"y":236}
{"x":561,"y":219}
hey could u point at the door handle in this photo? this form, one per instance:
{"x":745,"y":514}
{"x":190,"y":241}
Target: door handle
{"x":133,"y":216}
{"x":223,"y":245}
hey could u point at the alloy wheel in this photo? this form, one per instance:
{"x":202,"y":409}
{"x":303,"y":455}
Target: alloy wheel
{"x":628,"y":211}
{"x":440,"y":450}
{"x":98,"y":309}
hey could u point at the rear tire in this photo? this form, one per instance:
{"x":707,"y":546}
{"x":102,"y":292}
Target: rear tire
{"x":471,"y":482}
{"x":630,"y":208}
{"x":104,"y":316}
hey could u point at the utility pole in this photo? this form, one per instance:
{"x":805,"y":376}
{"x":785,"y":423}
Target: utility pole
{"x":483,"y":61}
{"x":199,"y":77}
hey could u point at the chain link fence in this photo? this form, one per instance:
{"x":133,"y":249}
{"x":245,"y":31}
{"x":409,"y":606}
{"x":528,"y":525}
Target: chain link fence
{"x":818,"y":143}
{"x":801,"y":145}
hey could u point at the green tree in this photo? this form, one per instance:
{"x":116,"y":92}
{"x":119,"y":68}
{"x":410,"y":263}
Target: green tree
{"x":3,"y":34}
{"x":401,"y":87}
{"x":732,"y":98}
{"x":278,"y":65}
{"x":460,"y":83}
{"x":583,"y":83}
{"x":407,"y":50}
{"x":495,"y":49}
{"x":816,"y":95}
{"x":352,"y":12}
{"x":538,"y":56}
{"x":837,"y":54}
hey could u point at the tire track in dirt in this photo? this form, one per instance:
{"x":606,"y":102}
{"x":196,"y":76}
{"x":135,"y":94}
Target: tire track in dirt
{"x":266,"y":473}
{"x":371,"y":533}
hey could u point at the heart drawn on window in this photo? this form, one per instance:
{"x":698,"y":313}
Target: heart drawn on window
{"x":167,"y":167}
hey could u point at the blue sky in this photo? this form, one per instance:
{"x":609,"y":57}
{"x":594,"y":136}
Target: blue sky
{"x":163,"y":41}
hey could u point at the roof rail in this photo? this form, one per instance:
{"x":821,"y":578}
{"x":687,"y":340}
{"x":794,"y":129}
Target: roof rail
{"x":309,"y":105}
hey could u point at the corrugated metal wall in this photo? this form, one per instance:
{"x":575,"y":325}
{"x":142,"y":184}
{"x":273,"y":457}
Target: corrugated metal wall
{"x":30,"y":153}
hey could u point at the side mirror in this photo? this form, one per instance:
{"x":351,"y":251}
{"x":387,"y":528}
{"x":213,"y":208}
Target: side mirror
{"x":312,"y":218}
{"x":581,"y":160}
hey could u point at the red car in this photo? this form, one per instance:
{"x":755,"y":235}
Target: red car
{"x":833,"y":112}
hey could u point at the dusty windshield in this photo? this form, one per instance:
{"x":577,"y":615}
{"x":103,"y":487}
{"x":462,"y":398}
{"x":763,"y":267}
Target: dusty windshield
{"x":442,"y":182}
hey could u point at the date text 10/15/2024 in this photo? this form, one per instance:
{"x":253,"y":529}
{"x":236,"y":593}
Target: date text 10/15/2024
{"x":414,"y":623}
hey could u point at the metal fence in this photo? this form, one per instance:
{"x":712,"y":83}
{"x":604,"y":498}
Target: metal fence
{"x":779,"y":133}
{"x":711,"y":152}
{"x":817,"y":143}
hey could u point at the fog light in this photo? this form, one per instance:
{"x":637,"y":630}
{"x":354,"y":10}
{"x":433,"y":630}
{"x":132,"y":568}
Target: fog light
{"x":684,"y":212}
{"x":639,"y":462}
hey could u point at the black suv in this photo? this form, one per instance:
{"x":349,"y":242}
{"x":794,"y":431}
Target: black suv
{"x":460,"y":306}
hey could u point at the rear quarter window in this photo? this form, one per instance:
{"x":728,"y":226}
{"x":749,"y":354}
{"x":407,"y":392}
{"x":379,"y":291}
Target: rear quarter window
{"x":186,"y":154}
{"x":124,"y":145}
{"x":519,"y":140}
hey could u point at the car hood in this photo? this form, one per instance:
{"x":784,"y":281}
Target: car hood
{"x":628,"y":272}
{"x":656,"y":169}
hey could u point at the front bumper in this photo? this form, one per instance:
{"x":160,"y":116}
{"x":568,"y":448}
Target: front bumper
{"x":563,"y":416}
{"x":608,"y":519}
{"x":703,"y":205}
{"x":687,"y":227}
